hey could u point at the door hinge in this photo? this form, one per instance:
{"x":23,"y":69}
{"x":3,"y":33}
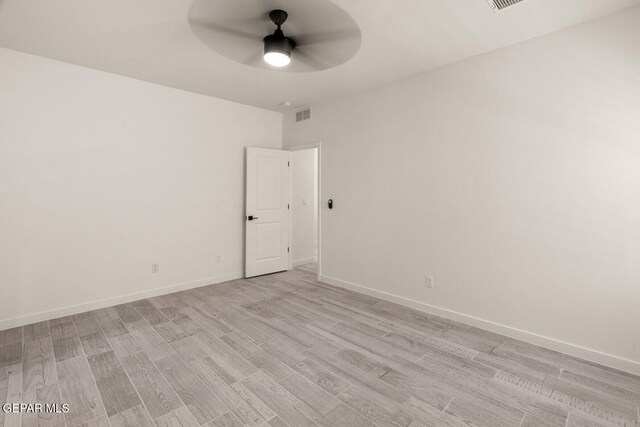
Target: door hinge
{"x":288,"y":206}
{"x":289,"y":164}
{"x":287,"y":248}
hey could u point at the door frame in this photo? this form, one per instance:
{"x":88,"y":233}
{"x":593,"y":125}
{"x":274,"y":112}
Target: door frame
{"x":309,"y":146}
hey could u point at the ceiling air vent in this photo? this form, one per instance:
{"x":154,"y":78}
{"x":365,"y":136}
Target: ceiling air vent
{"x":303,"y":115}
{"x":501,"y":4}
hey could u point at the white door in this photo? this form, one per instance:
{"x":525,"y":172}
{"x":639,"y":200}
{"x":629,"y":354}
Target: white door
{"x":267,"y":215}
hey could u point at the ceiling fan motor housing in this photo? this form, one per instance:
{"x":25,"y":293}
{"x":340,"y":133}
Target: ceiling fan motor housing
{"x":277,"y":42}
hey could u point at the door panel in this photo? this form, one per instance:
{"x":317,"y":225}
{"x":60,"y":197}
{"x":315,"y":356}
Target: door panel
{"x":268,"y":241}
{"x":267,"y":211}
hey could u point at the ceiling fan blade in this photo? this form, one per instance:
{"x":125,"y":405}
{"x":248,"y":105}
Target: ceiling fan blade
{"x":325,"y":37}
{"x":254,"y":59}
{"x":310,"y":61}
{"x":224,"y":29}
{"x":256,"y":19}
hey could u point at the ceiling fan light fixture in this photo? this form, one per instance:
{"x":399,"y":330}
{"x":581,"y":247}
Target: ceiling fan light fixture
{"x":277,"y":59}
{"x":277,"y":49}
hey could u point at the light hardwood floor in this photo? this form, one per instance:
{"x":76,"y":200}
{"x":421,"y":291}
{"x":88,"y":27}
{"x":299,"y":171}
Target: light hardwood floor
{"x":285,"y":350}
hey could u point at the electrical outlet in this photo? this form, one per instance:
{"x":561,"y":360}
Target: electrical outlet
{"x":155,"y":268}
{"x":428,"y":281}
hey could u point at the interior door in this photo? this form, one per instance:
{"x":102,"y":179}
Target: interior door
{"x":267,"y":214}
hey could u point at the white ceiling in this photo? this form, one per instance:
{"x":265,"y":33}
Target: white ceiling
{"x":151,"y":40}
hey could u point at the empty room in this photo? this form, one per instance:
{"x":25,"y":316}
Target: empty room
{"x":337,"y":213}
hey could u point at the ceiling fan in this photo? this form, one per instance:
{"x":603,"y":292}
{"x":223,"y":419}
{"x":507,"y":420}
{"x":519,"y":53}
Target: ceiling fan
{"x":320,"y":35}
{"x":278,"y":47}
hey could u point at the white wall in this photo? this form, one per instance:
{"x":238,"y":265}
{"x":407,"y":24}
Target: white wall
{"x":512,"y":177}
{"x":304,"y":205}
{"x":101,"y":176}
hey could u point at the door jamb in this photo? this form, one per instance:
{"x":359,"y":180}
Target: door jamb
{"x":301,"y":147}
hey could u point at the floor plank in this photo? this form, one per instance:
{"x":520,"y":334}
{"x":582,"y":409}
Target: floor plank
{"x":325,"y":379}
{"x":151,"y":343}
{"x":136,"y":416}
{"x":63,"y":329}
{"x":380,"y":412}
{"x":101,"y":421}
{"x":49,"y":394}
{"x":114,"y":385}
{"x":94,"y":343}
{"x":11,"y":336}
{"x":200,"y":400}
{"x":362,"y":362}
{"x":309,"y":393}
{"x":227,"y":395}
{"x":343,"y":415}
{"x":10,"y":354}
{"x":78,"y":388}
{"x":154,"y":390}
{"x":180,"y":417}
{"x":124,"y":345}
{"x":225,"y":420}
{"x":127,"y":313}
{"x":277,"y":403}
{"x":11,"y":389}
{"x":36,"y":331}
{"x":38,"y":365}
{"x":86,"y":324}
{"x":67,"y":348}
{"x":109,"y":322}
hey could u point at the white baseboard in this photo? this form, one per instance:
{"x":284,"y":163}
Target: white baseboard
{"x":304,"y":261}
{"x":109,"y":302}
{"x":591,"y":355}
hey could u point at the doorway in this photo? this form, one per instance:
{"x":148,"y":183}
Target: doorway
{"x":305,"y":209}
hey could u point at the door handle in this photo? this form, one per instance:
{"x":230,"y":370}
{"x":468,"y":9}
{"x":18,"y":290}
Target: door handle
{"x":250,"y":217}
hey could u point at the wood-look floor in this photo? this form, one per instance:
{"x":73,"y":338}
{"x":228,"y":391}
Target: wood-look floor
{"x":284,"y":350}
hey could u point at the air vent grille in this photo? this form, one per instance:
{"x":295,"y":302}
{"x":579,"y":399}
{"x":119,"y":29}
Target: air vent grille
{"x":303,"y":115}
{"x":501,"y":4}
